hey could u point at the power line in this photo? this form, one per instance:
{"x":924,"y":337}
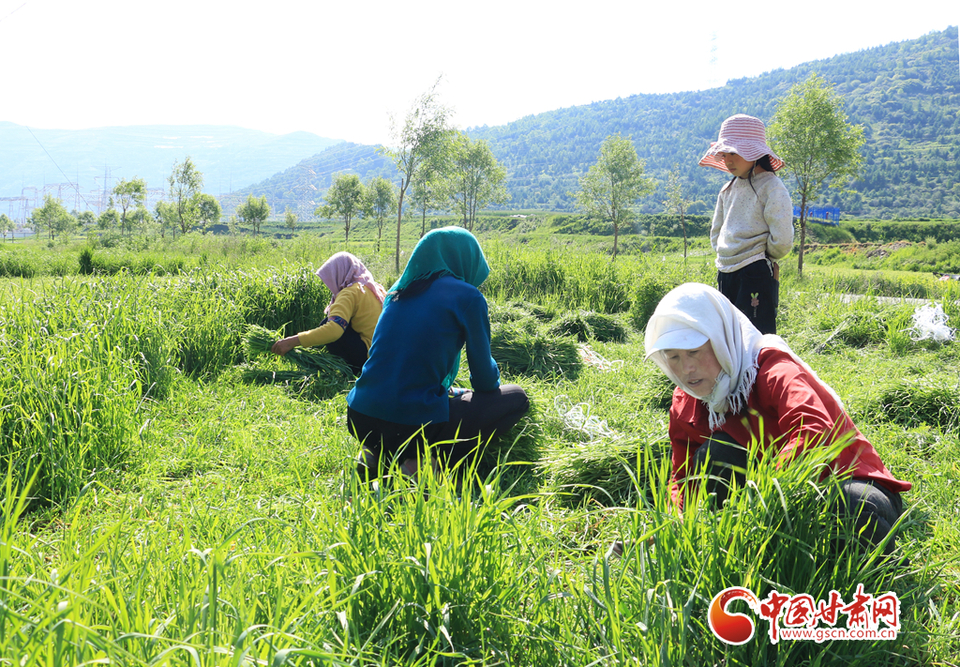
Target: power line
{"x":66,"y":178}
{"x":14,"y":11}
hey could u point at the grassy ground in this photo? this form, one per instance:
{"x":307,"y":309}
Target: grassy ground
{"x":235,"y":533}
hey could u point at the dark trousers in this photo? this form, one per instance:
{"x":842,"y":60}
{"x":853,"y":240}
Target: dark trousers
{"x":755,"y":292}
{"x":349,"y":347}
{"x":873,"y":508}
{"x":475,"y":417}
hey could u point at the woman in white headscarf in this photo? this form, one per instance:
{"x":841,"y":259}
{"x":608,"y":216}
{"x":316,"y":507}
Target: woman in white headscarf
{"x":736,"y":385}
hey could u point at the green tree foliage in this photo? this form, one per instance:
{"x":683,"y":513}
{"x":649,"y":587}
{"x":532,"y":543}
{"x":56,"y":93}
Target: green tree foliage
{"x":108,"y":220}
{"x":677,"y":203}
{"x":128,"y":195}
{"x":185,"y":183}
{"x":424,"y":132}
{"x":165,"y":215}
{"x":476,"y":179}
{"x":811,"y":134}
{"x":290,"y":219}
{"x":612,"y":185}
{"x":209,"y":211}
{"x":381,"y":201}
{"x":85,"y":219}
{"x":345,"y":199}
{"x":431,"y":190}
{"x":6,"y":225}
{"x":139,"y":218}
{"x":254,"y":211}
{"x":52,"y":218}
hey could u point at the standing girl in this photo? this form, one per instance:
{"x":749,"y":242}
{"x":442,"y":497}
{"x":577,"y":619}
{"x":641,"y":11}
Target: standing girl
{"x":752,"y":224}
{"x":404,"y":398}
{"x":352,"y":313}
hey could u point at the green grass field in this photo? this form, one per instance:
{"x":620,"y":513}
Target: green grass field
{"x":159,"y":510}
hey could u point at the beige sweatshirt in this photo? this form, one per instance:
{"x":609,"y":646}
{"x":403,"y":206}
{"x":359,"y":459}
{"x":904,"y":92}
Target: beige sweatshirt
{"x":749,"y":226}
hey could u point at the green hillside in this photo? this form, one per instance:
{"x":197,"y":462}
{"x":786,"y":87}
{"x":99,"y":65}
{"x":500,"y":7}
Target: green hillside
{"x":906,"y":95}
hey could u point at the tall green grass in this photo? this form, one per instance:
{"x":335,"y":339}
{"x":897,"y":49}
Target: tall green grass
{"x":206,"y":522}
{"x":432,"y":574}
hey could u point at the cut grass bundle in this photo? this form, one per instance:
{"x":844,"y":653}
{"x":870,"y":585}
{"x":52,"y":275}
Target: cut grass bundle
{"x":524,"y":352}
{"x":320,"y":375}
{"x":257,"y":341}
{"x":510,"y":312}
{"x":608,"y":472}
{"x":540,"y":312}
{"x":571,"y":324}
{"x":858,"y":329}
{"x":607,"y":328}
{"x":912,"y":403}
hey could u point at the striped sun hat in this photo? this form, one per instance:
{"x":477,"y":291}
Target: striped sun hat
{"x":744,"y":135}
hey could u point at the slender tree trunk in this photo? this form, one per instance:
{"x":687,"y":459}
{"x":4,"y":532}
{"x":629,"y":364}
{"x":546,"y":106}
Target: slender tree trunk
{"x":403,"y":189}
{"x":803,"y":234}
{"x":616,"y":234}
{"x":683,"y":226}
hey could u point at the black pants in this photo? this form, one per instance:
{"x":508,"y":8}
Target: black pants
{"x":874,"y":509}
{"x":475,"y":417}
{"x":349,"y":347}
{"x":754,"y":292}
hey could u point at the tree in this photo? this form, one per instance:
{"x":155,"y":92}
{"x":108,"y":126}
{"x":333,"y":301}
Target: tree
{"x":52,"y":217}
{"x":811,"y":135}
{"x":85,"y":218}
{"x":139,"y":218}
{"x":165,"y":213}
{"x":290,"y":219}
{"x":126,"y":195}
{"x":108,"y":220}
{"x":254,"y":211}
{"x":477,"y":178}
{"x":677,"y":203}
{"x":345,"y":199}
{"x":185,"y":183}
{"x":6,"y":225}
{"x":614,"y":183}
{"x":431,"y":190}
{"x":381,"y":202}
{"x":208,"y":210}
{"x":424,"y":131}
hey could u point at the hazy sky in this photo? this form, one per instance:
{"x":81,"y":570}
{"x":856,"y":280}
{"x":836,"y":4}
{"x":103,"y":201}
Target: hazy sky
{"x":340,"y":69}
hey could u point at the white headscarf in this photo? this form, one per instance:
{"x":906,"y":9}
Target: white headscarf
{"x":735,"y":340}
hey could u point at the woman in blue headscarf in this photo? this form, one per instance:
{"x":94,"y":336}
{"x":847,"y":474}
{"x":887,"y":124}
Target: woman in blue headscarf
{"x":404,"y":396}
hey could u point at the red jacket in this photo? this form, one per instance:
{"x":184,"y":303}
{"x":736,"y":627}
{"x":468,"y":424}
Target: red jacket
{"x":791,"y":410}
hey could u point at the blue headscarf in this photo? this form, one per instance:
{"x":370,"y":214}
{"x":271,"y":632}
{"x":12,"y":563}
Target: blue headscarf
{"x":448,"y":251}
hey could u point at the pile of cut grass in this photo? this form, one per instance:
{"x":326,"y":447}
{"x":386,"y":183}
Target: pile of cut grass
{"x":524,"y":352}
{"x":914,"y":403}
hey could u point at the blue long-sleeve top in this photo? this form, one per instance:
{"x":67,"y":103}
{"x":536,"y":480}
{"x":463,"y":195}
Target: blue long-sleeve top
{"x":416,"y":345}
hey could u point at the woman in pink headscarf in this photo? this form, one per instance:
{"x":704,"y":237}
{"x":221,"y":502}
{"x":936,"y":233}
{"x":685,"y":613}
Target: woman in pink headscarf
{"x":352,"y":314}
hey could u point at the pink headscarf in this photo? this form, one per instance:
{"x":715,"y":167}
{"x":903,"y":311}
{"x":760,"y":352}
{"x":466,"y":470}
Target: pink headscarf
{"x":343,"y":270}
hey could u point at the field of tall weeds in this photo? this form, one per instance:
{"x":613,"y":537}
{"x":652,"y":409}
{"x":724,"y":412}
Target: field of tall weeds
{"x":158,"y":510}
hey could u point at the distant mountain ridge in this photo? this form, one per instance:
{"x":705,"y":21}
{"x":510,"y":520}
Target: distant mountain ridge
{"x":228,"y":157}
{"x":905,"y":94}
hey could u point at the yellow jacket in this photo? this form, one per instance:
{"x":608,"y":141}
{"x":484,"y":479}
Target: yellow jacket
{"x":358,"y":306}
